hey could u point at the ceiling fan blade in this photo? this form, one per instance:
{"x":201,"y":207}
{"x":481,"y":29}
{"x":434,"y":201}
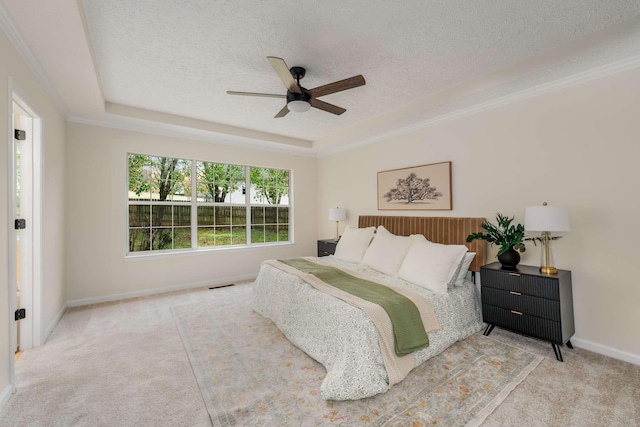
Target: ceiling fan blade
{"x":330,"y":108}
{"x":267,"y":95}
{"x":281,"y":68}
{"x":338,"y":86}
{"x":282,"y":112}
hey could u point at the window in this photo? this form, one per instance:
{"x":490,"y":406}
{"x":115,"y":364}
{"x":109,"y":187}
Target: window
{"x":221,"y":204}
{"x":269,"y":209}
{"x":163,"y":215}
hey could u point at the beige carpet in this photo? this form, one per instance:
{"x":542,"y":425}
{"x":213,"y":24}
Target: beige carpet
{"x":112,"y":364}
{"x":587,"y":389}
{"x":123,"y":364}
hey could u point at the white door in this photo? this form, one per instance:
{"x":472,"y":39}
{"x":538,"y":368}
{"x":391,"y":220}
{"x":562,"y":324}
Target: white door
{"x":25,"y":275}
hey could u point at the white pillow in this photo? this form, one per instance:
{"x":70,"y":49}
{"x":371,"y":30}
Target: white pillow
{"x":381,"y":230}
{"x":431,"y":265}
{"x":353,"y":243}
{"x":419,"y":237}
{"x":386,"y":252}
{"x":464,"y":268}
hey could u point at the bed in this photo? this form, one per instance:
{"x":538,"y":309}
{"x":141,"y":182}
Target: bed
{"x":342,"y":337}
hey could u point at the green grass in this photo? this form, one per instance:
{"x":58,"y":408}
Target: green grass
{"x":207,"y":237}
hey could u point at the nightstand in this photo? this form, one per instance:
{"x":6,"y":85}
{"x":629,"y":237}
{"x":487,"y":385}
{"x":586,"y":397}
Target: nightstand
{"x":327,"y":247}
{"x":529,"y":302}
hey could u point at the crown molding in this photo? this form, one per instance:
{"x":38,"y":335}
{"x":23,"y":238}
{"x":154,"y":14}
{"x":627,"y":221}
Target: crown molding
{"x":192,"y":134}
{"x":6,"y":23}
{"x":553,"y":86}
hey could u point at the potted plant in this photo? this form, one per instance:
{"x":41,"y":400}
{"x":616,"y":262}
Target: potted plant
{"x":509,"y":236}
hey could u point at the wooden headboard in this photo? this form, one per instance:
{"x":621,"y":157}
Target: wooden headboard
{"x":445,"y":230}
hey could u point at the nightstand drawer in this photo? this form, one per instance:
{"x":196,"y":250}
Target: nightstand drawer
{"x":524,"y":283}
{"x":514,"y":300}
{"x":524,"y":323}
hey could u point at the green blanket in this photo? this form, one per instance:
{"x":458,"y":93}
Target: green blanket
{"x":408,"y":330}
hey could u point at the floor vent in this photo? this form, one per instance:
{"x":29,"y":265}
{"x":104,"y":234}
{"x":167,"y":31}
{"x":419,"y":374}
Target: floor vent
{"x":222,"y":286}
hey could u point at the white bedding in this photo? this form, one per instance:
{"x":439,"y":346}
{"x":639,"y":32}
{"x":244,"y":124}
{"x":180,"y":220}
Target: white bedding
{"x":343,"y":339}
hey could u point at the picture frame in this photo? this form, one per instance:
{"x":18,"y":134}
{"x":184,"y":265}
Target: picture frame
{"x":425,"y":187}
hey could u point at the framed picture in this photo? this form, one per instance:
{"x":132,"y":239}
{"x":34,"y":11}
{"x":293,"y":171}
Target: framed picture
{"x":426,"y":187}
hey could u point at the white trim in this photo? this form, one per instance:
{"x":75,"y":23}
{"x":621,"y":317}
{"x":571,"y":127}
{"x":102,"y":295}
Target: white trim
{"x":36,"y":212}
{"x":54,"y":322}
{"x":170,"y":253}
{"x":6,"y":395}
{"x":25,"y":122}
{"x":11,"y":247}
{"x":15,"y":94}
{"x":20,"y":97}
{"x":556,"y":85}
{"x":19,"y":44}
{"x":155,"y":291}
{"x":625,"y":356}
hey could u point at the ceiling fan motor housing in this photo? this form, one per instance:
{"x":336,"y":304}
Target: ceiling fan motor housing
{"x":304,"y":96}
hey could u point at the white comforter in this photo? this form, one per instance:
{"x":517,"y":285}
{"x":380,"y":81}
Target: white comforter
{"x":343,"y":339}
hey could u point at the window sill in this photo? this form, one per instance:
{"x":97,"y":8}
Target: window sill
{"x":140,"y":256}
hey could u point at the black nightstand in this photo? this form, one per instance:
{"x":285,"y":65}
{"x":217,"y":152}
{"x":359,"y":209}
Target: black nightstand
{"x":529,"y":302}
{"x":327,"y":247}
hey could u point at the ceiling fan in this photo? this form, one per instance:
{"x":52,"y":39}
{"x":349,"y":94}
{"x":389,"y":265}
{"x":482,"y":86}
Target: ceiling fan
{"x":300,"y":99}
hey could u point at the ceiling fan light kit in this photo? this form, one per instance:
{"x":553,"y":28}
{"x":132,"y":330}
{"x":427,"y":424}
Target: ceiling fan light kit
{"x":300,"y":99}
{"x":298,"y":106}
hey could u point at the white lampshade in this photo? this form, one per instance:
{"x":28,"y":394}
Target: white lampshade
{"x":299,"y":106}
{"x":546,"y":218}
{"x":337,"y":214}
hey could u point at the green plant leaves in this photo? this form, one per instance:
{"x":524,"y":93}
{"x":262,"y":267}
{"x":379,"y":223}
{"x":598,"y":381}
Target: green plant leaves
{"x":505,"y":234}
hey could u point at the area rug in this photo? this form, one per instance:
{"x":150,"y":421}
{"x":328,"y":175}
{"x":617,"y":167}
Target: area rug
{"x":251,"y":375}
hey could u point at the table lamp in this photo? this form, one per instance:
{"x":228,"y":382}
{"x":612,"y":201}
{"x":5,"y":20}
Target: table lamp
{"x":336,"y":214}
{"x":546,"y":219}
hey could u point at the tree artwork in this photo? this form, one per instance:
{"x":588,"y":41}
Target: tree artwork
{"x":411,"y":189}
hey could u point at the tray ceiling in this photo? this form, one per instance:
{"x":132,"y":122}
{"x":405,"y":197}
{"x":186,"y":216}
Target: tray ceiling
{"x":172,"y":62}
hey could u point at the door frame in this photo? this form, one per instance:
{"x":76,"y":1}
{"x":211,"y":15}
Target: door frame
{"x":15,"y":94}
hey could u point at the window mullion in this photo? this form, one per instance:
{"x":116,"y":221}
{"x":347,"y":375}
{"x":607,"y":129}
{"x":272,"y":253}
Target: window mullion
{"x":247,"y":200}
{"x":194,"y":206}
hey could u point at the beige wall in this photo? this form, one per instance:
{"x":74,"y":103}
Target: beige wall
{"x":53,"y":293}
{"x":97,"y":268}
{"x":578,"y":147}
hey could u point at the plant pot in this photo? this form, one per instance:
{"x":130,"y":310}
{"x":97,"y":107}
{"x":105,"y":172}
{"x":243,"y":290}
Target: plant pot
{"x":509,"y":259}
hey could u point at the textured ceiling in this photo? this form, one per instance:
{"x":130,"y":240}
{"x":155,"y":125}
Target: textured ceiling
{"x":180,"y":58}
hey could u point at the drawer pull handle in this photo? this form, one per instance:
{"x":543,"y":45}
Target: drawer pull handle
{"x":514,"y":274}
{"x":516,"y":312}
{"x":514,"y":293}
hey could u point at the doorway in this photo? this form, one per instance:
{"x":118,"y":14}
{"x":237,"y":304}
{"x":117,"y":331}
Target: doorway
{"x":24,"y":244}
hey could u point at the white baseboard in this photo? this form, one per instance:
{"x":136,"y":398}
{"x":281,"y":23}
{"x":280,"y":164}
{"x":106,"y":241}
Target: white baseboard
{"x":606,"y":351}
{"x":5,"y":396}
{"x":54,"y":322}
{"x":147,"y":292}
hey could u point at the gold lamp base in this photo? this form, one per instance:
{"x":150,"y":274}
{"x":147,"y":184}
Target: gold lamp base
{"x":548,"y":270}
